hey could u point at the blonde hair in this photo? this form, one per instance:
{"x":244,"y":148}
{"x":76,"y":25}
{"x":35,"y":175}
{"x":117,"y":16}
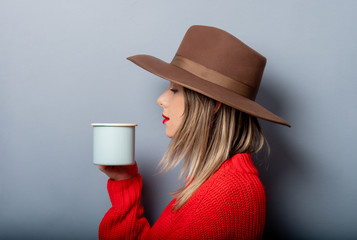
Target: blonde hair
{"x":206,"y":139}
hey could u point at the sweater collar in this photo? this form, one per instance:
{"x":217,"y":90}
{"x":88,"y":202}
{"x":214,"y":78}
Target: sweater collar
{"x":241,"y":162}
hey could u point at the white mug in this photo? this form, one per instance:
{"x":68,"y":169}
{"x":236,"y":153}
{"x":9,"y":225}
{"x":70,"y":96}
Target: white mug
{"x":114,"y":143}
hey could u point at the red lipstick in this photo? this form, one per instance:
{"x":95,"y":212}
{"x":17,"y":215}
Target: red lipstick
{"x":165,"y":119}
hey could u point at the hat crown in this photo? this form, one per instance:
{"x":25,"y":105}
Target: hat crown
{"x":220,"y":51}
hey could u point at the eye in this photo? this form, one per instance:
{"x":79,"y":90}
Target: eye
{"x":173,"y":90}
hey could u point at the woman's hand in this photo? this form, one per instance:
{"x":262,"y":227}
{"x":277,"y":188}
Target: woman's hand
{"x":118,"y":173}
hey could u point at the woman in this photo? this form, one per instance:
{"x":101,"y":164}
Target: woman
{"x":211,"y":117}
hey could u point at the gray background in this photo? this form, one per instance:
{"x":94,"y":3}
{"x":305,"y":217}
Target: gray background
{"x":63,"y":65}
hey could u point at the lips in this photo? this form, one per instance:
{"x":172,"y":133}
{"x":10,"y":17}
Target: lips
{"x":165,"y":119}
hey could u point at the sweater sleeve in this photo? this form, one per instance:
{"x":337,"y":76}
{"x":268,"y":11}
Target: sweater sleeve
{"x":125,"y":219}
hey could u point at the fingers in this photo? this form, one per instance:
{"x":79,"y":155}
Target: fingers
{"x":101,"y":168}
{"x":131,"y":167}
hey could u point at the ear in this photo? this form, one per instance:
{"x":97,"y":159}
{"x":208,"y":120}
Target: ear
{"x":217,"y":107}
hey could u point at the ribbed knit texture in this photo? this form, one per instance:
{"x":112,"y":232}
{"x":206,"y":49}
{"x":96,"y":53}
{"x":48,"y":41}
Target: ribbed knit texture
{"x":229,"y":205}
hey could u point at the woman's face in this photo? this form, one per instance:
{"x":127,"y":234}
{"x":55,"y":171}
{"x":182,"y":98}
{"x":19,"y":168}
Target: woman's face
{"x":173,"y":103}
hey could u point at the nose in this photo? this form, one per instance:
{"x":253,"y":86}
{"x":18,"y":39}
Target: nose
{"x":162,"y":100}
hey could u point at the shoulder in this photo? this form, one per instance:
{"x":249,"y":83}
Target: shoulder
{"x":229,"y":186}
{"x":235,"y":184}
{"x":236,"y":177}
{"x":229,"y":205}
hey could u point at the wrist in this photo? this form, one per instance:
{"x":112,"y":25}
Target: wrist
{"x":118,"y":173}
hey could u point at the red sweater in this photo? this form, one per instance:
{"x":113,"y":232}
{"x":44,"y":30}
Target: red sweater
{"x":229,"y":205}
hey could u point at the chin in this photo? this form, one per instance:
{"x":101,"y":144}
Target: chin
{"x":169,"y":134}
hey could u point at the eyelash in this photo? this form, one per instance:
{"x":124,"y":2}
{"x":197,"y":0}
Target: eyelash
{"x":173,"y":90}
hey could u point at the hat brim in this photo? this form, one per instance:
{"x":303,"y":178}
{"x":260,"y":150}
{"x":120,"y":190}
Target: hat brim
{"x":188,"y":80}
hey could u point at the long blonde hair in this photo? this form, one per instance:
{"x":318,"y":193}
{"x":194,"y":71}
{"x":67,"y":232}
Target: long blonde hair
{"x":206,"y":139}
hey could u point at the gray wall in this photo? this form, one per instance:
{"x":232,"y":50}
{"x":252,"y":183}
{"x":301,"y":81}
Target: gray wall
{"x":63,"y":66}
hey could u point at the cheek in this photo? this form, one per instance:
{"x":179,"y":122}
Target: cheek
{"x":180,"y":109}
{"x":181,"y":105}
{"x":177,"y":116}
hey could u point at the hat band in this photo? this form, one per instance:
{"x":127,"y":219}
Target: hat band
{"x":214,"y":77}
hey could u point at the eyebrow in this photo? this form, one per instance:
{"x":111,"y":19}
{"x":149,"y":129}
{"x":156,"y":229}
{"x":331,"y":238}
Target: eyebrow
{"x":175,"y":85}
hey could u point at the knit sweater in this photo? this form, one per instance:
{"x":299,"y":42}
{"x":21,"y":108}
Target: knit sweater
{"x":229,"y":205}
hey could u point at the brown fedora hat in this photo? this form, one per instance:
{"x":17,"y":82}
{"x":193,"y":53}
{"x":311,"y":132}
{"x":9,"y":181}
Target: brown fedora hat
{"x":218,"y":65}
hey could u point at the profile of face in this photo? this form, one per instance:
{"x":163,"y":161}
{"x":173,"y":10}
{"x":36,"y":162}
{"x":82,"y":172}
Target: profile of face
{"x":173,"y":103}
